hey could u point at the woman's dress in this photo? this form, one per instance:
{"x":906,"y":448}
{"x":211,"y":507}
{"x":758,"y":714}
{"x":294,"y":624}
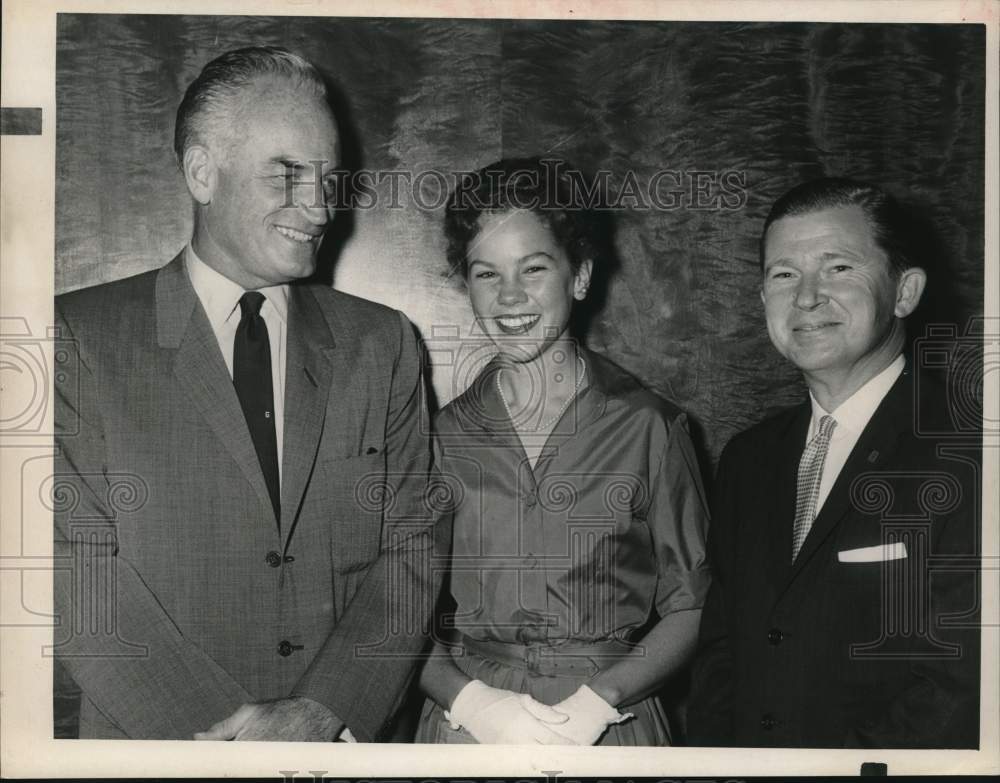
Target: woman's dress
{"x":557,"y":570}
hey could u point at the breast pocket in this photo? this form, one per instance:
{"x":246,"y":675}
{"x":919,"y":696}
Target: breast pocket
{"x":869,"y":564}
{"x":354,"y":500}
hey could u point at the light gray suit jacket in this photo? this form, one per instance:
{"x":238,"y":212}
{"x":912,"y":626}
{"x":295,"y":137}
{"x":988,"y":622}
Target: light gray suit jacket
{"x":178,"y":598}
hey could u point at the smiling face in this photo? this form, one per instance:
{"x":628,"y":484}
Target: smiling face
{"x":261,"y":211}
{"x":832,"y":303}
{"x":521,"y":283}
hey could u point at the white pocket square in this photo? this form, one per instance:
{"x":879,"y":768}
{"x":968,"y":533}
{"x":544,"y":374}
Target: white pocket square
{"x":873,"y":554}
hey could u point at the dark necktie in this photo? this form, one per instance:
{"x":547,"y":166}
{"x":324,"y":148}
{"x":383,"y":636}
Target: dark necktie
{"x":252,"y":379}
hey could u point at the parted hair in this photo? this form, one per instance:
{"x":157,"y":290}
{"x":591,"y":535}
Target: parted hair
{"x":892,"y":226}
{"x":206,"y":112}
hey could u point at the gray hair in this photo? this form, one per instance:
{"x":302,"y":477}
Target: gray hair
{"x":208,"y":104}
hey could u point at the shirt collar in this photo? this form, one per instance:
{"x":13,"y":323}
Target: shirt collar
{"x":481,"y":403}
{"x":854,"y":413}
{"x":220,"y":296}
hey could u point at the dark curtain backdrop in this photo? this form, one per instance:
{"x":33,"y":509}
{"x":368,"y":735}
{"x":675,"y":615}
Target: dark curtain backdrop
{"x":766,"y":105}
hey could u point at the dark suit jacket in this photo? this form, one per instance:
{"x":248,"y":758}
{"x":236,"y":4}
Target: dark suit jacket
{"x":178,"y":598}
{"x":828,"y":653}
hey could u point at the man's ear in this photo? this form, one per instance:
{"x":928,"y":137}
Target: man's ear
{"x":909,"y":289}
{"x":200,"y":173}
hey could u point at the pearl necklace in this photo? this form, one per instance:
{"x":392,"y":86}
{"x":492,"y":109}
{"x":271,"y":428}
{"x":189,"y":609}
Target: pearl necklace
{"x":549,"y":422}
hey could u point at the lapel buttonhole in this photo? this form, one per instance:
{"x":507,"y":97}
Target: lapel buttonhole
{"x":309,"y":375}
{"x":873,"y":456}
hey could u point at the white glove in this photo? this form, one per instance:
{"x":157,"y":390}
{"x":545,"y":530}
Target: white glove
{"x":589,"y":716}
{"x":498,"y":717}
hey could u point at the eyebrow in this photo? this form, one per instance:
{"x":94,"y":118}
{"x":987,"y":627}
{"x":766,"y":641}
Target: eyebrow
{"x":537,"y":253}
{"x":297,"y":166}
{"x":846,"y":254}
{"x":521,"y":260}
{"x":288,"y":163}
{"x":826,"y":256}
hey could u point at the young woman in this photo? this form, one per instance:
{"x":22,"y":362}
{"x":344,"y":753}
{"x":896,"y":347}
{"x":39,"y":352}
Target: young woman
{"x":578,"y":567}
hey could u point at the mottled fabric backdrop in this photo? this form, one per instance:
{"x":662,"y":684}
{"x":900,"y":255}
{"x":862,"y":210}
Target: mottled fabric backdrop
{"x":735,"y":114}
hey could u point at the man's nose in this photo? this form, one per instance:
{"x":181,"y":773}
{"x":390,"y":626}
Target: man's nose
{"x":308,"y":196}
{"x":315,"y":209}
{"x":809,"y":294}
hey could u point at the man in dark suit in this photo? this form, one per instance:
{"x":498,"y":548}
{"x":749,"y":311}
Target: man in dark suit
{"x":844,"y":611}
{"x":244,"y":546}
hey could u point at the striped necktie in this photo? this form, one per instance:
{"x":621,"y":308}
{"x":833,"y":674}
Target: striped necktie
{"x":810,"y":475}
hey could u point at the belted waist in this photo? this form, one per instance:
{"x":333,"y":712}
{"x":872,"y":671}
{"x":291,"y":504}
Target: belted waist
{"x":558,"y":659}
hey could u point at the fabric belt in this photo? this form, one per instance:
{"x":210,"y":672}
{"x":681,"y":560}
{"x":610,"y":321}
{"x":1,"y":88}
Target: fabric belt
{"x":559,"y":659}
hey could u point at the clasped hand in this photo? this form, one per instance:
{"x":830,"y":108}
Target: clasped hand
{"x":297,"y":719}
{"x":589,"y":716}
{"x":496,"y":716}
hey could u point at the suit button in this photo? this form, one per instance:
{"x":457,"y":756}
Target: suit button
{"x":273,"y":559}
{"x":774,"y":636}
{"x":767,"y":722}
{"x":284,"y":648}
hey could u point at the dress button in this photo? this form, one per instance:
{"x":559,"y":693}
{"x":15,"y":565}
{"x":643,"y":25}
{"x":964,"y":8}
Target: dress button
{"x":530,"y":500}
{"x":273,"y":559}
{"x":767,"y":722}
{"x":774,"y":636}
{"x":284,"y":648}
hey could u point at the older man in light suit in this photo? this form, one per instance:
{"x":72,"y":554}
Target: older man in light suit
{"x":270,"y":575}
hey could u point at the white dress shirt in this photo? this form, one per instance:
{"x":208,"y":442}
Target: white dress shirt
{"x":220,"y":297}
{"x":852,"y":416}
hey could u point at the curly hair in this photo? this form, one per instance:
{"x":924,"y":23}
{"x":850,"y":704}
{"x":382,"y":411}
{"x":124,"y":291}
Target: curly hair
{"x":541,"y":185}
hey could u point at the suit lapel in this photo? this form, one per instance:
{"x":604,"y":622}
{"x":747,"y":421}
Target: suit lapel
{"x":877,"y":444}
{"x":310,"y":372}
{"x":201,"y":370}
{"x":782,"y":513}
